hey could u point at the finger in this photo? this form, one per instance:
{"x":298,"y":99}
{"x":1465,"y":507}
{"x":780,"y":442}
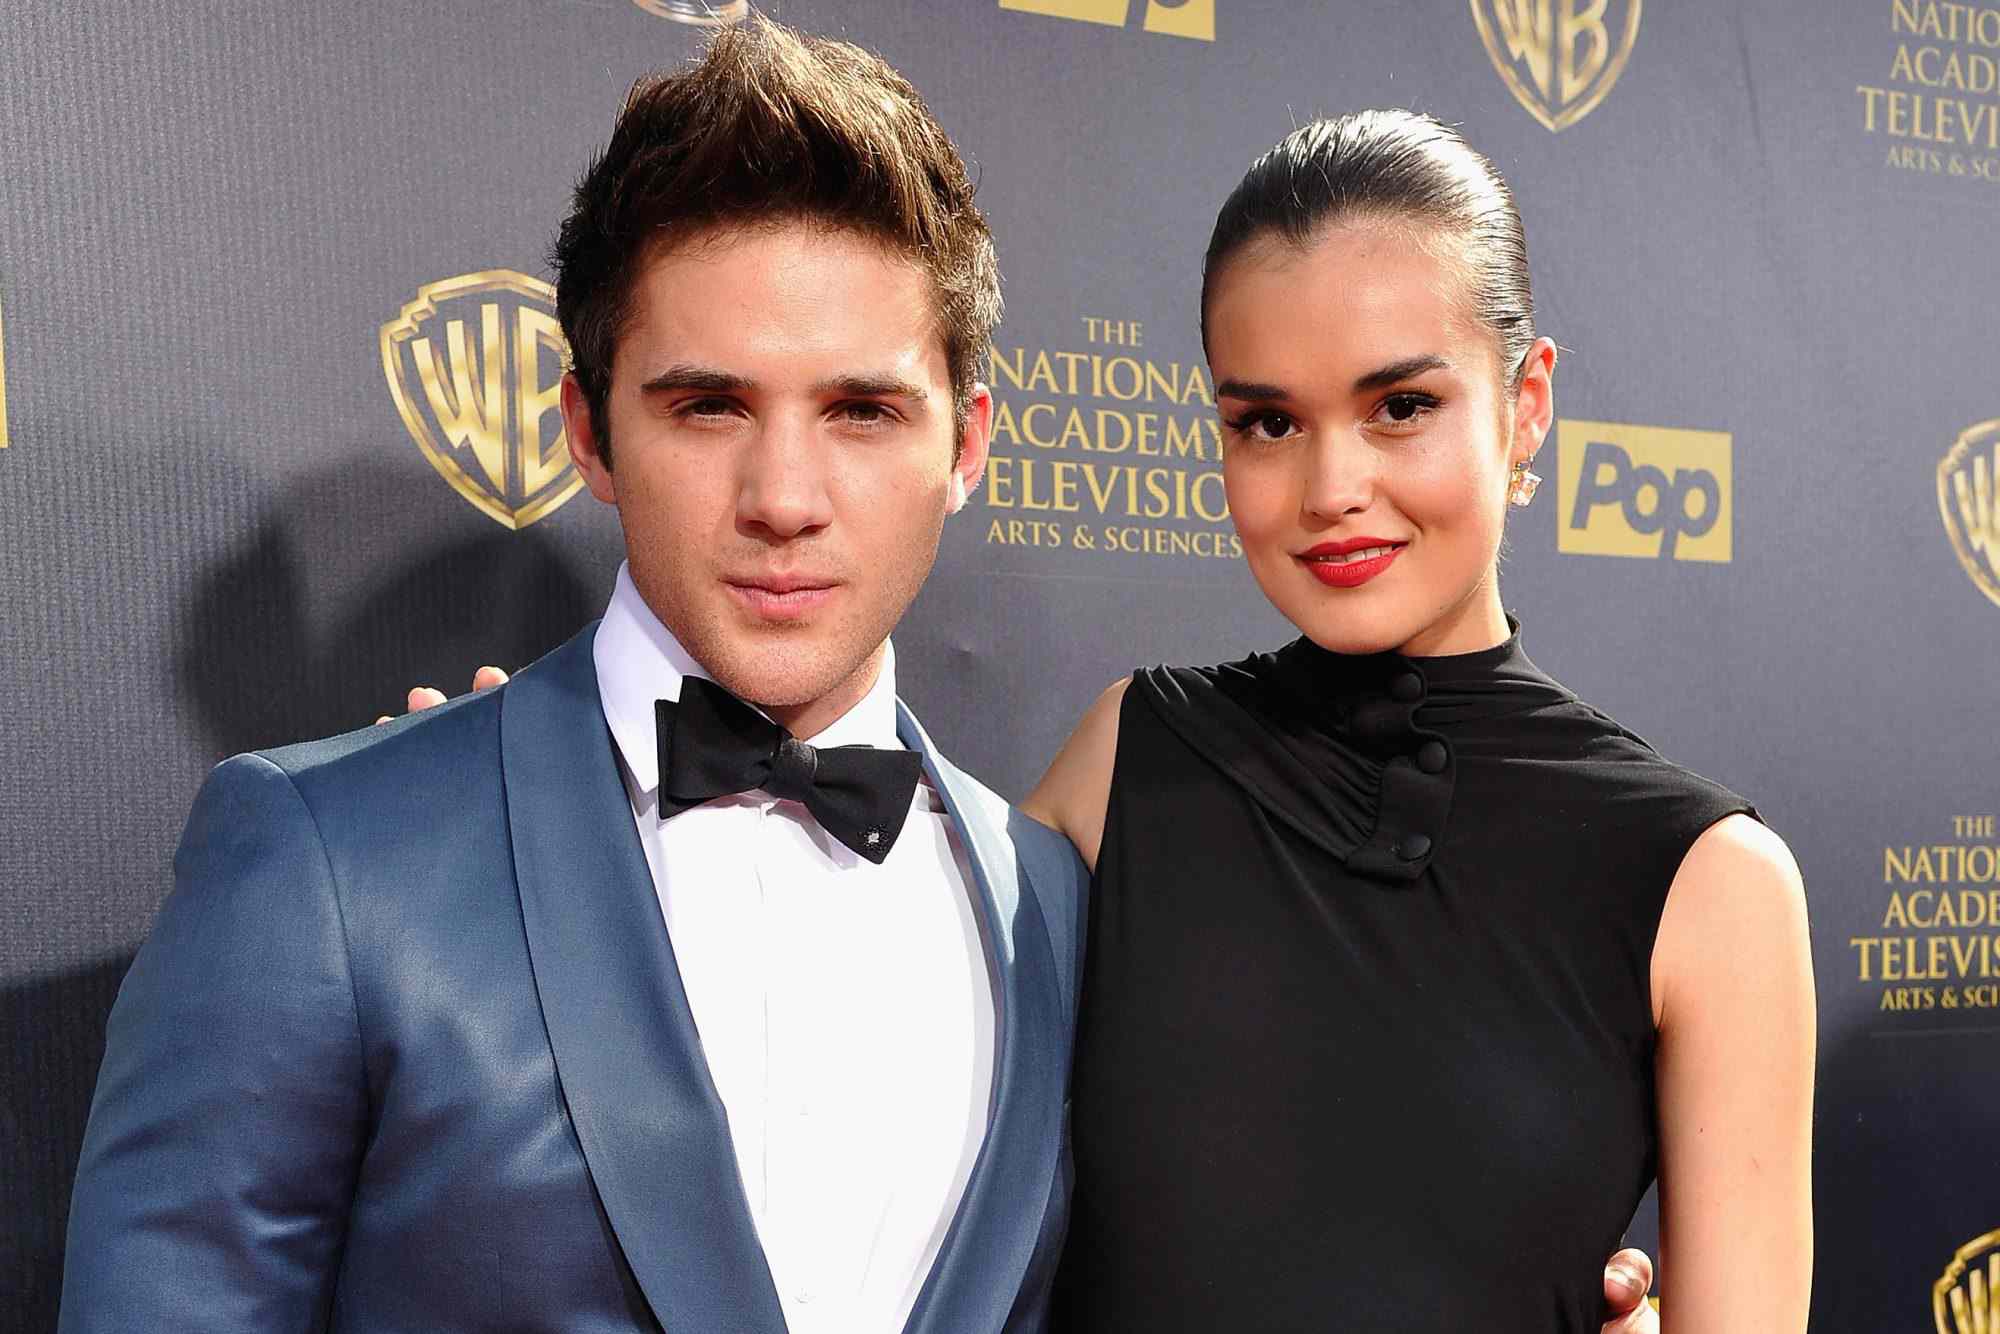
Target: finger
{"x":487,"y":677}
{"x":1627,"y":1277}
{"x":385,"y":718}
{"x":424,"y":697}
{"x":1632,"y":1271}
{"x":1641,"y":1320}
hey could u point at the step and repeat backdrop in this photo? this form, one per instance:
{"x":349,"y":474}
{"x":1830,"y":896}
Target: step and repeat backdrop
{"x":278,"y":366}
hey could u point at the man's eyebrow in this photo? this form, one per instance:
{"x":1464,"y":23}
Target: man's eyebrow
{"x":708,"y":379}
{"x":872,"y":386}
{"x":1398,"y":371}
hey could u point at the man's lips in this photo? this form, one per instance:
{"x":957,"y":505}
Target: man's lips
{"x":1350,"y":563}
{"x":782,"y":597}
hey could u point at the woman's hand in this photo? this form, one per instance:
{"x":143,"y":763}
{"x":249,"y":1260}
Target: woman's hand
{"x":1628,"y":1276}
{"x":425,"y":697}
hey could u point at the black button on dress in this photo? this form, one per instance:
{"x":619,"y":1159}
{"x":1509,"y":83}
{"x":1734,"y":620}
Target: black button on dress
{"x":1366,"y":1041}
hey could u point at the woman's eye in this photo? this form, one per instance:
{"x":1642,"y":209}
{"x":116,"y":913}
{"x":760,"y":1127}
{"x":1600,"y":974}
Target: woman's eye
{"x":1264,"y":426}
{"x":1402,"y":408}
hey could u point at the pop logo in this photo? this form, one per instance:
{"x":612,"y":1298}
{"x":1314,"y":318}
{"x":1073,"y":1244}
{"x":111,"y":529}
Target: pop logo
{"x":1647,"y":491}
{"x":1175,"y":18}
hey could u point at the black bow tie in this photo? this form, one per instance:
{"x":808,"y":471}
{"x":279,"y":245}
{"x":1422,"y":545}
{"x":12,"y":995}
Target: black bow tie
{"x":712,"y":744}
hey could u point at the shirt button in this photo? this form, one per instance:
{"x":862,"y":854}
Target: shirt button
{"x":1431,"y":757}
{"x":1409,"y":687}
{"x":1413,"y":847}
{"x":803,"y":1297}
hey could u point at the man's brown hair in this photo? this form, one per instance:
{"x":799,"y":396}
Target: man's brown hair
{"x":772,"y":126}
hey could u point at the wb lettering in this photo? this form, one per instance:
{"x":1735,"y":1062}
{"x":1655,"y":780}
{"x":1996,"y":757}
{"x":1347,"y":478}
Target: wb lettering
{"x":1977,"y":510}
{"x":1540,"y":35}
{"x":1610,"y":477}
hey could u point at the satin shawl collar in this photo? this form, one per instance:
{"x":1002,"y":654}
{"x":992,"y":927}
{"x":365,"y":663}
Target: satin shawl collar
{"x":629,"y":1060}
{"x":986,"y":1253}
{"x":1354,"y":752}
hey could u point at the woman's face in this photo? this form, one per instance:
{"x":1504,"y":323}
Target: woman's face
{"x":1369,"y":437}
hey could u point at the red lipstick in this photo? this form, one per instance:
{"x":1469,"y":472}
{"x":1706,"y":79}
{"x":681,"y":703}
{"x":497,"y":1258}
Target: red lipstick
{"x":1351,"y":563}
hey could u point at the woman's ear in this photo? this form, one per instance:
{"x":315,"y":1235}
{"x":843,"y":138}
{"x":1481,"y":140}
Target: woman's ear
{"x":1534,"y":401}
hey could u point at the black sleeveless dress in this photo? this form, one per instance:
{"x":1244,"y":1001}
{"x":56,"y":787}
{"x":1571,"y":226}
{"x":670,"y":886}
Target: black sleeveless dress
{"x":1366,"y":1040}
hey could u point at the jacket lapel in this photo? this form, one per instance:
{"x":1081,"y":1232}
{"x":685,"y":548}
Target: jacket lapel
{"x":630,"y":1063}
{"x":985,"y":1255}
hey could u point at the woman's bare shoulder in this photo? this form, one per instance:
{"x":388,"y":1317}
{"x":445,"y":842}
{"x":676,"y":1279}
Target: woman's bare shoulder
{"x":1075,"y":791}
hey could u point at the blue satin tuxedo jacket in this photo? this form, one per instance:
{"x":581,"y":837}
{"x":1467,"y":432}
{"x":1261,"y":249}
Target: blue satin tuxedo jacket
{"x":407,"y":1050}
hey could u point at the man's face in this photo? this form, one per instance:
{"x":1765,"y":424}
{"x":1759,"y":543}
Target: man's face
{"x":782,"y":446}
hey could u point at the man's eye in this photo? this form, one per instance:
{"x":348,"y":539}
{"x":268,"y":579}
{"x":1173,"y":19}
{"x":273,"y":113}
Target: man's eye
{"x":866,"y":414}
{"x":706,"y":407}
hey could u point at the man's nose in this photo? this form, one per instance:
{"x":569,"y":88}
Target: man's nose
{"x":784,"y":488}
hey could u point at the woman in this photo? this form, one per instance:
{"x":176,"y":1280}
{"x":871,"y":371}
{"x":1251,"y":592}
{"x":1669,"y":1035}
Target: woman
{"x":1405,"y":965}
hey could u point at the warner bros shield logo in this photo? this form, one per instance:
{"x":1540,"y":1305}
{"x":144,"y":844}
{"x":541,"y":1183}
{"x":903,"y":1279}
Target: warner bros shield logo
{"x":1968,"y":476}
{"x":475,"y":364}
{"x":1966,"y":1298}
{"x":1559,"y":57}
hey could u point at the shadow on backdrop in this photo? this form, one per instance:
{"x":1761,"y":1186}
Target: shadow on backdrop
{"x":51,"y":1038}
{"x":1875,"y":1265}
{"x":342,"y":592}
{"x":351,"y":590}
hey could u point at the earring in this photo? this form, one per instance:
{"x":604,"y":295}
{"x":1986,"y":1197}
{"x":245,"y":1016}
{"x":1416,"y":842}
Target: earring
{"x":1524,"y":485}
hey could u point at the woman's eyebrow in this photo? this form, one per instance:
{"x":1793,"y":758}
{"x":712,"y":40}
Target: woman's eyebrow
{"x":1398,"y":371}
{"x":1257,"y":391}
{"x":1250,"y":391}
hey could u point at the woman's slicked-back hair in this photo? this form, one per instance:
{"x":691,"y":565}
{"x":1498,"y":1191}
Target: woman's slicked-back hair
{"x":1395,"y":167}
{"x":770,"y":127}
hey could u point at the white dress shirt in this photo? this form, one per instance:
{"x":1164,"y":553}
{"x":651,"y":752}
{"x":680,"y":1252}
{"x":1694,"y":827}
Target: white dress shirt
{"x":845,"y":1009}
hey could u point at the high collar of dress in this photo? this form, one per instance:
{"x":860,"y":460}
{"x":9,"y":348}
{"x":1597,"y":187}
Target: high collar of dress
{"x":639,"y":661}
{"x":1357,"y":752}
{"x":1349,"y":691}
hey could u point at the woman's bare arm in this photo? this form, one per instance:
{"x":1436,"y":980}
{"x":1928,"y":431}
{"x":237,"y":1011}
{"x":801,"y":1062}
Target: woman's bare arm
{"x":1073,"y":794}
{"x":1733,"y":999}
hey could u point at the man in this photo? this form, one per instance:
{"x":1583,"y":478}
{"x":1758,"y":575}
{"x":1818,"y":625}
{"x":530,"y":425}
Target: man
{"x":676,"y":1012}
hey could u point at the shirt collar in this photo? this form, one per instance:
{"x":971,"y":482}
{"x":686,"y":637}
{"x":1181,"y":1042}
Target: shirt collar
{"x":639,"y":660}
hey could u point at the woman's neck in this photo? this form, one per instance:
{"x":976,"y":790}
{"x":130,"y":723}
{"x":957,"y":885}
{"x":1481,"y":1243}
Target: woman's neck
{"x":1475,"y":623}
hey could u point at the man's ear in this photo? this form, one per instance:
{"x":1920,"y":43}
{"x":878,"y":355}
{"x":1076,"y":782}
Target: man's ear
{"x":584,"y":450}
{"x":974,"y":442}
{"x":1534,"y":402}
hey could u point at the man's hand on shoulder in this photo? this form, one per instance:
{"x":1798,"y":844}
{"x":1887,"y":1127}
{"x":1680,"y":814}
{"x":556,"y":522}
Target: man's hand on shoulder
{"x":425,"y":697}
{"x":1628,"y":1276}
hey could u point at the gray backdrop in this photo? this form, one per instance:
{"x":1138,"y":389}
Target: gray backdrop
{"x":1775,"y":225}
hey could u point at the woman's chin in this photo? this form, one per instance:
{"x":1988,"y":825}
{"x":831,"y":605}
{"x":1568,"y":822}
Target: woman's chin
{"x":1355,"y":636}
